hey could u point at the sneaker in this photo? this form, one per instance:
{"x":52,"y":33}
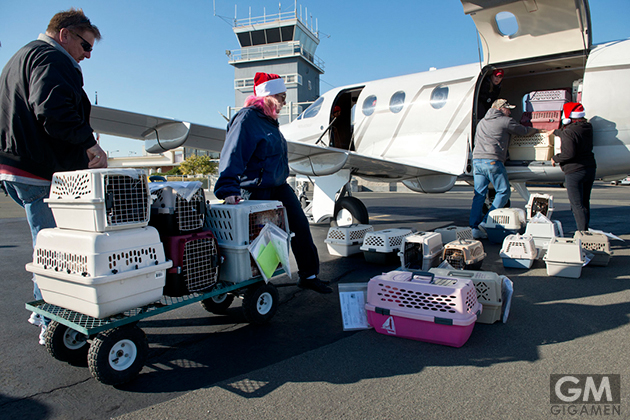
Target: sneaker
{"x":314,"y":284}
{"x":479,"y":233}
{"x":35,"y":319}
{"x":42,"y":334}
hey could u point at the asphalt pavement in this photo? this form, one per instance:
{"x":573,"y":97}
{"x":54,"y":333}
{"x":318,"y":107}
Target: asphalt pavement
{"x":303,"y":365}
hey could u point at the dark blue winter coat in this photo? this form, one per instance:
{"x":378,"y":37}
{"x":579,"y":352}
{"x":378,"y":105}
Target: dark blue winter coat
{"x":254,"y":154}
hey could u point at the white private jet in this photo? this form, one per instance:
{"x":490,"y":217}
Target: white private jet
{"x":419,"y":128}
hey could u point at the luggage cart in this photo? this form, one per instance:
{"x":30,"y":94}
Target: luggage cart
{"x":116,"y":348}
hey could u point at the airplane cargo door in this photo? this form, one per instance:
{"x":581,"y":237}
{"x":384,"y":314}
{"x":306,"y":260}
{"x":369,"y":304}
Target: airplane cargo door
{"x":513,"y":30}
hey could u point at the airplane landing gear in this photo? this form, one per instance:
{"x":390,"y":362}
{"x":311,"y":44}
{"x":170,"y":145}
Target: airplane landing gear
{"x":348,"y":211}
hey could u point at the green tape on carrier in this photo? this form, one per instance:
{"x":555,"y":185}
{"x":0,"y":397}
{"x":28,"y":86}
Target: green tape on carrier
{"x":381,"y":311}
{"x":443,"y":321}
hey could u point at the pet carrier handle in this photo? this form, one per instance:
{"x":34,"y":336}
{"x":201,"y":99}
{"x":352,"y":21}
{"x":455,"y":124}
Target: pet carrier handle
{"x":462,"y":273}
{"x":415,"y":273}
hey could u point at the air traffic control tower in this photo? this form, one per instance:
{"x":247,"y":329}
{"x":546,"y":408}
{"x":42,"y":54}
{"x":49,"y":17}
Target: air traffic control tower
{"x":283,"y":44}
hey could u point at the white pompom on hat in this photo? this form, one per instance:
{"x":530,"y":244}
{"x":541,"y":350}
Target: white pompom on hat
{"x":266,"y":84}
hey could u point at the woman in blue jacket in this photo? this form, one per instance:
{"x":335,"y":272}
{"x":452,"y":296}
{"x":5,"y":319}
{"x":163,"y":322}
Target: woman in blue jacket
{"x":254,"y":165}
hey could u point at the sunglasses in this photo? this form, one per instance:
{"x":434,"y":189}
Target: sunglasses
{"x":84,"y":44}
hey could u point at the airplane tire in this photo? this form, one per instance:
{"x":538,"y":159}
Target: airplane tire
{"x":348,"y":211}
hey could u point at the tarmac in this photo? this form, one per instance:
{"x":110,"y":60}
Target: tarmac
{"x":303,"y":365}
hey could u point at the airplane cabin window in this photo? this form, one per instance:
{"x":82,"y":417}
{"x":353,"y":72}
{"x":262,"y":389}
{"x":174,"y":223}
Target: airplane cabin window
{"x":507,"y":23}
{"x":397,"y":102}
{"x":312,"y":110}
{"x":439,"y":96}
{"x":368,"y":105}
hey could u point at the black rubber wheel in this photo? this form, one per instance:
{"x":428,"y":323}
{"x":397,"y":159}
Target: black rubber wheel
{"x":260,"y":303}
{"x":117,"y":356}
{"x":218,"y":304}
{"x":349,"y":211}
{"x":65,"y":344}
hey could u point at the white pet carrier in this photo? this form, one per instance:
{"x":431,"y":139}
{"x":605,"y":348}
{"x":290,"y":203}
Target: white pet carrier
{"x":239,"y":224}
{"x":99,"y":274}
{"x":235,"y":226}
{"x":539,"y":203}
{"x":564,"y":258}
{"x":421,"y":251}
{"x":100,"y":200}
{"x":451,"y":233}
{"x":346,"y":240}
{"x":382,"y":246}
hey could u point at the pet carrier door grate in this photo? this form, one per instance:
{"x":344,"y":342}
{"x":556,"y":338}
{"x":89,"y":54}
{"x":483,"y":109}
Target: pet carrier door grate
{"x":200,"y":264}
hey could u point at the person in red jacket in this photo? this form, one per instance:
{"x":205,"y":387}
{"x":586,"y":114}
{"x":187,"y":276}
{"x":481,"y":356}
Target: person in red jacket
{"x":577,"y":161}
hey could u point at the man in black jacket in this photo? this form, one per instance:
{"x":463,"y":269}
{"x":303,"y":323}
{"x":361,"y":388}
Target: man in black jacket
{"x":45,"y":118}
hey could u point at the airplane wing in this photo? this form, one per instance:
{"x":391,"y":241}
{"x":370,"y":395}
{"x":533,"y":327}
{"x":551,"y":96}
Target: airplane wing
{"x":160,"y":134}
{"x":314,"y":160}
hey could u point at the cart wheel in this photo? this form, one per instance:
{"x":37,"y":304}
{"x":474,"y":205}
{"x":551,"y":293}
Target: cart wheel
{"x":260,"y":303}
{"x":218,"y":304}
{"x":117,"y":356}
{"x":65,"y":344}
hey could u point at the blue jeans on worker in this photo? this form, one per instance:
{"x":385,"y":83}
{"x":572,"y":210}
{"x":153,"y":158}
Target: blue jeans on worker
{"x":38,"y":214}
{"x":579,"y":185}
{"x":302,"y":245}
{"x":486,"y":171}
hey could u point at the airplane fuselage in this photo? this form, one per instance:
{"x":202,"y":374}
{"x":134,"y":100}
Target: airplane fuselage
{"x":427,"y":120}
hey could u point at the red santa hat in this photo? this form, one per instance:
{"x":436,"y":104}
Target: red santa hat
{"x":573,"y":110}
{"x":266,"y":84}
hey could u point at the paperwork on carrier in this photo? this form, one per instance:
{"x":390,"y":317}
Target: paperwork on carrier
{"x":352,"y":297}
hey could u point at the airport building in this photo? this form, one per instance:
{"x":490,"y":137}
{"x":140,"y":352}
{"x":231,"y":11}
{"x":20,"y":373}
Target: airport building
{"x":283,"y":44}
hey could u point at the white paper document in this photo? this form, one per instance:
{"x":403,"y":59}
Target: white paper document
{"x":353,"y":310}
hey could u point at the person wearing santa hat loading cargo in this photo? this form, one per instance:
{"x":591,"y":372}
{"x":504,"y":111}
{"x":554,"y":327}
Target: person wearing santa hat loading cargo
{"x":577,"y":161}
{"x":489,"y":92}
{"x":254,"y":165}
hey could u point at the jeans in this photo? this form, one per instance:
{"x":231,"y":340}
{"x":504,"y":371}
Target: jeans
{"x":38,"y":214}
{"x":486,"y":171}
{"x":302,"y":245}
{"x":579,"y":185}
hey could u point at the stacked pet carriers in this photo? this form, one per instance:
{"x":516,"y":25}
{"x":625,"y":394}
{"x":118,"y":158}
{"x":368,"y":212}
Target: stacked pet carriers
{"x":102,"y":258}
{"x":178,"y":213}
{"x":543,"y":110}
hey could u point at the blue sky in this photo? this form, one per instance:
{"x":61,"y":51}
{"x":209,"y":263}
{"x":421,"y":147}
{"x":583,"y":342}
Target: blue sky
{"x":167,"y":58}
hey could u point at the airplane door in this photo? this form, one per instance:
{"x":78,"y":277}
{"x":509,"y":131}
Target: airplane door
{"x":513,"y":30}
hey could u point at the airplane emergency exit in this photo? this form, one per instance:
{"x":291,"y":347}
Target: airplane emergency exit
{"x":419,"y":129}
